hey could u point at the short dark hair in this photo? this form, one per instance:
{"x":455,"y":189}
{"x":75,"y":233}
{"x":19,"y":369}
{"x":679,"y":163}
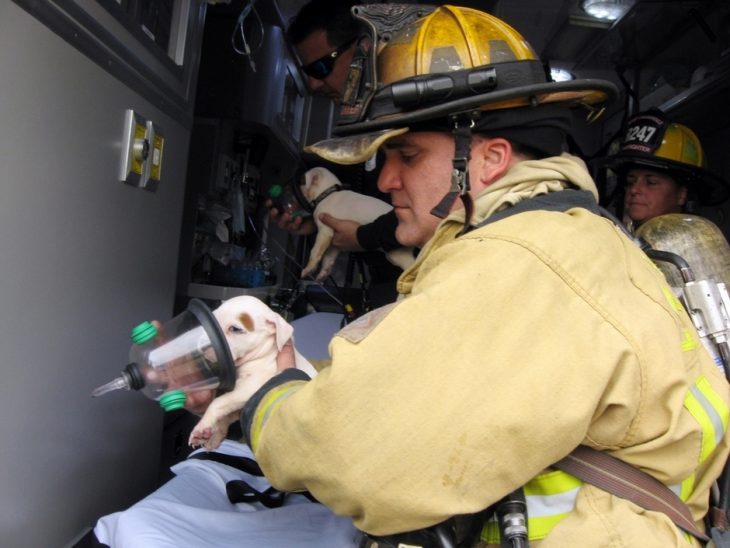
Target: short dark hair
{"x":332,"y":16}
{"x":531,"y":153}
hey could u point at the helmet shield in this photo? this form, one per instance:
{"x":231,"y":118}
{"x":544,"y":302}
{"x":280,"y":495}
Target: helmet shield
{"x":352,"y":150}
{"x":381,"y":21}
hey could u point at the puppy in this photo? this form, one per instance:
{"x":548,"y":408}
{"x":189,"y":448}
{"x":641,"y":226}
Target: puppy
{"x":255,"y":335}
{"x":343,"y":204}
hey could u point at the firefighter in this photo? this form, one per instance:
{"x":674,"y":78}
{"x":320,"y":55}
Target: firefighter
{"x":529,"y":324}
{"x":662,"y":167}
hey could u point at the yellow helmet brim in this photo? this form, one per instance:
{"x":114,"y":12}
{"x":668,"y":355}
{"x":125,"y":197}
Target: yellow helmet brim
{"x":353,"y":149}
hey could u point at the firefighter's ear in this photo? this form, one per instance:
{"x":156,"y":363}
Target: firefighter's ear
{"x":682,"y":196}
{"x":491,"y":158}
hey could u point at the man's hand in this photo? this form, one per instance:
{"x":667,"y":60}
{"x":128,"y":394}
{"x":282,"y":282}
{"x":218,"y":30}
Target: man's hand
{"x":199,"y":400}
{"x":196,"y":401}
{"x":345,"y":237}
{"x":285,"y":357}
{"x":297,"y":225}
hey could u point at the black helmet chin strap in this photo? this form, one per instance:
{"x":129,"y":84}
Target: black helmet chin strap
{"x":463,"y":124}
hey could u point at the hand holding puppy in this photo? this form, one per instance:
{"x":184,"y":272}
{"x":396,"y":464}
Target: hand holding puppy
{"x":334,"y":206}
{"x":345,"y":232}
{"x":286,"y":359}
{"x":261,"y":345}
{"x":296,"y":225}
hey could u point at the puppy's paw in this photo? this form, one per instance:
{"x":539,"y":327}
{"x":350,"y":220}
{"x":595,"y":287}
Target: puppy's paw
{"x":308,"y":270}
{"x":324,"y":271}
{"x":200,"y":436}
{"x":209,"y":438}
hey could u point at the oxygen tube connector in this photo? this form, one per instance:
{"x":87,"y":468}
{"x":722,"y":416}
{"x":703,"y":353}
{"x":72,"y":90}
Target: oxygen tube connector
{"x":512,"y":518}
{"x":120,"y":383}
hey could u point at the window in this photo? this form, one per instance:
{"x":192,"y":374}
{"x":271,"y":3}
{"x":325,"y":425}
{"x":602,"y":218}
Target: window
{"x":149,"y":45}
{"x":163,"y":22}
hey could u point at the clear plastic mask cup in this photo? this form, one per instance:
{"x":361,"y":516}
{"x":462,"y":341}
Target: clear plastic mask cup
{"x":183,"y":355}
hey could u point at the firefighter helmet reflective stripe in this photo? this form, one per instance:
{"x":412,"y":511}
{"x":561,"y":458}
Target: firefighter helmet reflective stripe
{"x":653,"y":141}
{"x":449,"y":61}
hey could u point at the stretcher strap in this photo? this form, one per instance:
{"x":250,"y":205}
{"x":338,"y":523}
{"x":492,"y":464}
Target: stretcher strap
{"x":625,"y":481}
{"x":239,"y":490}
{"x":244,"y":464}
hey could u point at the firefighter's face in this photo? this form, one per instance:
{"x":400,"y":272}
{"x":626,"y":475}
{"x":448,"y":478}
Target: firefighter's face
{"x":417,"y":174}
{"x":651,"y":193}
{"x":314,"y":48}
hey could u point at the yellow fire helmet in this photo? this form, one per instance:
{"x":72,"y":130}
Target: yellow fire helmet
{"x":653,"y":141}
{"x":428,"y":63}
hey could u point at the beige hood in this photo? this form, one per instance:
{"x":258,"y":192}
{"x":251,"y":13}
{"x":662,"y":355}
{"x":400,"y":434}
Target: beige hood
{"x":523,"y":181}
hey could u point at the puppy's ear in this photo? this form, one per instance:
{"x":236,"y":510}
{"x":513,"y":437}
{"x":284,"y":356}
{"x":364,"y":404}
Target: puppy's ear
{"x":281,"y":328}
{"x":247,"y":321}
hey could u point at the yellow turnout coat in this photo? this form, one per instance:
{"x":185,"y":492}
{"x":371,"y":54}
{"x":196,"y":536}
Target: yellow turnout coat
{"x":510,"y":346}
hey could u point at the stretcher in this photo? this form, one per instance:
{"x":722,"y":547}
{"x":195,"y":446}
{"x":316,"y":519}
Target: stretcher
{"x":193,"y":508}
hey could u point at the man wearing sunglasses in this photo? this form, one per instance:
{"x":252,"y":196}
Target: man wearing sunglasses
{"x":325,"y":35}
{"x":326,"y":73}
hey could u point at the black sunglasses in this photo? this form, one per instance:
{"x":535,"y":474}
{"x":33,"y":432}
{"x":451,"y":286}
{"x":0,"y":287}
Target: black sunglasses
{"x":322,"y":67}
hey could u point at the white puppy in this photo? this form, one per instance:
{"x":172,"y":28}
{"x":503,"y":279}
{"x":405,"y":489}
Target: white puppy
{"x":343,"y":204}
{"x":255,"y":335}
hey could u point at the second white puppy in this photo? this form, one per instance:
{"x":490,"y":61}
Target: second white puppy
{"x":323,"y":190}
{"x":255,"y":335}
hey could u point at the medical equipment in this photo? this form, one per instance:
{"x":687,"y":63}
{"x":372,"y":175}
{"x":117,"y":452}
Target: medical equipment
{"x":289,"y":199}
{"x":694,"y":257}
{"x":185,"y":354}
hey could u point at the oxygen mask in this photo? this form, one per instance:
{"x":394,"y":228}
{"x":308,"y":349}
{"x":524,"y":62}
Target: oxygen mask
{"x":168,"y":361}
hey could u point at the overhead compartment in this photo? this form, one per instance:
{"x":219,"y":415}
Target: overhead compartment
{"x":262,"y":91}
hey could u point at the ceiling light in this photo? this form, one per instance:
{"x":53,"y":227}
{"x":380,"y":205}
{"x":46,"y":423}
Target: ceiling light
{"x":606,"y":9}
{"x":561,"y":75}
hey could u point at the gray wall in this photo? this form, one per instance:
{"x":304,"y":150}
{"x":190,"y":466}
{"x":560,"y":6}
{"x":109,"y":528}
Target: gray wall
{"x":83,"y":258}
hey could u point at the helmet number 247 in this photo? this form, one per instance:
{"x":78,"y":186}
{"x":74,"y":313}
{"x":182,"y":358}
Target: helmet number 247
{"x":640,"y":133}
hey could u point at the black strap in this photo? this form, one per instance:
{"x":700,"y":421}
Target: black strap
{"x":554,"y":201}
{"x":459,"y":173}
{"x":239,"y":490}
{"x":244,"y":464}
{"x":323,"y":195}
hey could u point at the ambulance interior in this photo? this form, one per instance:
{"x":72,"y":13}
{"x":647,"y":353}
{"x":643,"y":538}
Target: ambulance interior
{"x":93,"y":248}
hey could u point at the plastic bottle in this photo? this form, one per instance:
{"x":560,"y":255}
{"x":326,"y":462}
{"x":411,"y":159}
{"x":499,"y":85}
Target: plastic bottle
{"x":285,"y":200}
{"x":187,"y":353}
